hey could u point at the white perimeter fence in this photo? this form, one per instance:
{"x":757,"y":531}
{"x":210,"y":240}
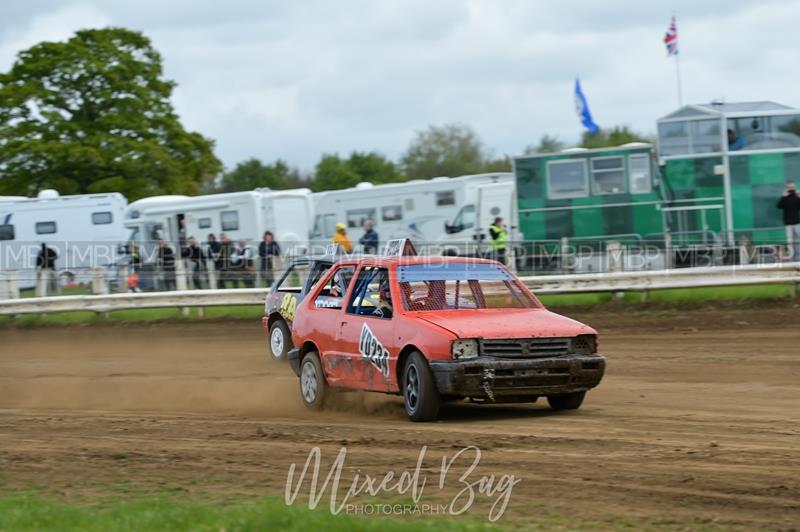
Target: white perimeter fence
{"x":642,"y":282}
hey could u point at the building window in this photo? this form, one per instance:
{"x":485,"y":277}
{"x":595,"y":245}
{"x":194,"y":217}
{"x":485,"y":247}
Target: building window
{"x":6,"y":232}
{"x":102,"y":218}
{"x":392,"y":213}
{"x":204,"y":223}
{"x":608,"y":175}
{"x":688,"y":137}
{"x":445,"y":197}
{"x":230,"y":220}
{"x":45,"y":228}
{"x":567,"y":179}
{"x":639,"y":169}
{"x":356,"y":217}
{"x":764,"y":132}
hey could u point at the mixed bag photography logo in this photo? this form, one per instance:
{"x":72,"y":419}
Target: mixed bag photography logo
{"x":453,"y":487}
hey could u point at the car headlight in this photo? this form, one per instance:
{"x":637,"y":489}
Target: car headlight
{"x":462,"y":349}
{"x":584,"y":344}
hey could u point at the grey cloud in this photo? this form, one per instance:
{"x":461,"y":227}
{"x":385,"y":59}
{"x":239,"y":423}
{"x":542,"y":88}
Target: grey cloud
{"x":296,"y":79}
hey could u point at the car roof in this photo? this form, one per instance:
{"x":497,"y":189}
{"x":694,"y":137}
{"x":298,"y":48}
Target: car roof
{"x":414,"y":260}
{"x":308,"y":259}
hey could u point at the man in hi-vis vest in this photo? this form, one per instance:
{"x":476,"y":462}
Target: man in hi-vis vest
{"x":499,"y":239}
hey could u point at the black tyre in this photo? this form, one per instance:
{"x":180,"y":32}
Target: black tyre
{"x":313,"y":386}
{"x":420,"y":396}
{"x":280,"y":340}
{"x":568,"y":401}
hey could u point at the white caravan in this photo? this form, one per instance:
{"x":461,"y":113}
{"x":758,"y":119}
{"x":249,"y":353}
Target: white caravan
{"x":240,"y":215}
{"x":85,"y":230}
{"x":448,"y":215}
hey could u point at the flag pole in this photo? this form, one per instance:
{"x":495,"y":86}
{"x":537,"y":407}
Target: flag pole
{"x":678,"y":78}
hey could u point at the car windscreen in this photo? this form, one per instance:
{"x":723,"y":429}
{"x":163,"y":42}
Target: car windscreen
{"x":460,"y":285}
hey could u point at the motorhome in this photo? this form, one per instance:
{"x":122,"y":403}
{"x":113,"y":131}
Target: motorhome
{"x":85,"y":231}
{"x":240,"y":215}
{"x":448,"y":215}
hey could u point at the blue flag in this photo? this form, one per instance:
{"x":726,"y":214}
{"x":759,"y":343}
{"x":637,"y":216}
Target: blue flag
{"x":582,"y":108}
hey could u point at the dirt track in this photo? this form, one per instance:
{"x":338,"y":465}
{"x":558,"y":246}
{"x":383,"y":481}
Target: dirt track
{"x":697,"y":421}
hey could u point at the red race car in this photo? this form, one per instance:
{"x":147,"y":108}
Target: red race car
{"x":438,"y":328}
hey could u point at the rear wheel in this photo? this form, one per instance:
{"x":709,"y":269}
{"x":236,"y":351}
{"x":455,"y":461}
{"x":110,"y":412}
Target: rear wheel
{"x":568,"y":401}
{"x":313,"y":386}
{"x":420,"y":396}
{"x":280,"y":340}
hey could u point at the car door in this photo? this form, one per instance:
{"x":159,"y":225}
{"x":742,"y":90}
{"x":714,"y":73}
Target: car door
{"x":328,"y":308}
{"x":366,"y":332}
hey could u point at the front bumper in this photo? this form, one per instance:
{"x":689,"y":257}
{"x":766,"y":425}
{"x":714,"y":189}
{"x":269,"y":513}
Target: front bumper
{"x":495,"y":379}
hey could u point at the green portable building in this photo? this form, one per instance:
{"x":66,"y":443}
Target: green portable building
{"x":712,"y":181}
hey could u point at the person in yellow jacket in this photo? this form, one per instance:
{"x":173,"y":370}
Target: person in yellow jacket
{"x":499,"y":239}
{"x":340,"y":237}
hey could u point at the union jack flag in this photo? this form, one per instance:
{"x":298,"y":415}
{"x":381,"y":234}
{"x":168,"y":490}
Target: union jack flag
{"x":671,"y":38}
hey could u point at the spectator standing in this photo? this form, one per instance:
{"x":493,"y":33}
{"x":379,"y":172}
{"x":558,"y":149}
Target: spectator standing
{"x":340,"y":237}
{"x":46,"y":264}
{"x":225,"y":271}
{"x":243,"y":262}
{"x":136,"y":257}
{"x":213,"y":249}
{"x":499,"y":236}
{"x":369,"y":241}
{"x":790,"y":205}
{"x":268,"y":249}
{"x":134,"y":278}
{"x":192,"y":252}
{"x":166,"y":263}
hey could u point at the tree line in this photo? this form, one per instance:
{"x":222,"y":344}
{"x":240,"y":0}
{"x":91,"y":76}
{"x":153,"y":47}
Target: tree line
{"x":94,"y":114}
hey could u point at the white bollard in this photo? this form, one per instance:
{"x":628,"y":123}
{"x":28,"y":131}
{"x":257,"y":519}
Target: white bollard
{"x":180,"y":274}
{"x":614,"y":256}
{"x":122,"y":278}
{"x":212,"y":274}
{"x":12,"y":286}
{"x":41,"y":283}
{"x":99,"y":282}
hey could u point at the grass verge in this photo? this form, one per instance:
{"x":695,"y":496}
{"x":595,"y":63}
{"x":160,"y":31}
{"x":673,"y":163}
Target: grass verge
{"x":632,"y":300}
{"x":34,"y":512}
{"x":674,"y":295}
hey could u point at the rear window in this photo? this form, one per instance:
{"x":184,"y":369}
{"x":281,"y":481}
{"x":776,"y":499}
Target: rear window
{"x":458,"y":286}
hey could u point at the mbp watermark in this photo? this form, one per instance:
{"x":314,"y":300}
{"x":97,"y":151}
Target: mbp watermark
{"x":466,"y":487}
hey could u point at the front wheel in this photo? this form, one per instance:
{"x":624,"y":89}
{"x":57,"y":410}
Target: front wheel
{"x":568,"y":401}
{"x":420,"y":396}
{"x":313,"y":386}
{"x":280,"y":340}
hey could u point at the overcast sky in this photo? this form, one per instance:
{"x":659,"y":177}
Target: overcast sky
{"x":296,"y":79}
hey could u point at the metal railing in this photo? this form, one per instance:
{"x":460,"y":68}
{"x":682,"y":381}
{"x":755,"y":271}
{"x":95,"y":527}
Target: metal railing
{"x":548,"y":284}
{"x":624,"y":252}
